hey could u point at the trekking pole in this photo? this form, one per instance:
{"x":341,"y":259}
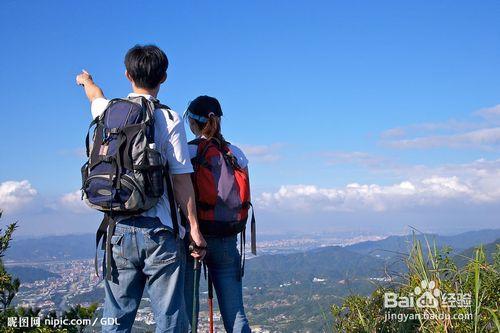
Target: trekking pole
{"x":211,"y":303}
{"x":194,"y":318}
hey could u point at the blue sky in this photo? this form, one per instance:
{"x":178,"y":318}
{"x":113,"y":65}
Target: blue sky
{"x":320,"y":94}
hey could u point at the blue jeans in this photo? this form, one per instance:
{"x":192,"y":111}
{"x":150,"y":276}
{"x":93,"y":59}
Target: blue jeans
{"x":223,"y":264}
{"x":146,"y":253}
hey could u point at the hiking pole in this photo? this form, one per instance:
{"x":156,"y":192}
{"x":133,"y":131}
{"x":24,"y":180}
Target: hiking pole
{"x":194,"y":318}
{"x":211,"y":303}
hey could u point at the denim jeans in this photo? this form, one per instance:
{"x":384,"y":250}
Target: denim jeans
{"x":223,"y":264}
{"x":146,"y":254}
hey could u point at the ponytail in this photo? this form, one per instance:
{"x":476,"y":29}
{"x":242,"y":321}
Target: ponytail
{"x":212,"y":129}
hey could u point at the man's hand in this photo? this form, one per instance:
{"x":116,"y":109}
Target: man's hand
{"x":197,"y":239}
{"x":184,"y":195}
{"x":83,"y":78}
{"x":91,"y":89}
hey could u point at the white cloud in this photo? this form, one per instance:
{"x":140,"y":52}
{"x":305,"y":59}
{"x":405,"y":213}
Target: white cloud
{"x":395,"y":132}
{"x":475,"y":184}
{"x":73,"y":202}
{"x":356,"y":157}
{"x":448,"y":126}
{"x":491,"y":113}
{"x":486,"y":138}
{"x":15,"y":194}
{"x":262,"y":153}
{"x":482,"y":133}
{"x":75,"y":152}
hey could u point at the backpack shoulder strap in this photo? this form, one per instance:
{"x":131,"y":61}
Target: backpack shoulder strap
{"x":164,"y":107}
{"x":105,"y":232}
{"x":87,"y":138}
{"x":171,"y":201}
{"x":201,"y":149}
{"x":116,"y":100}
{"x":196,"y":141}
{"x":253,"y":240}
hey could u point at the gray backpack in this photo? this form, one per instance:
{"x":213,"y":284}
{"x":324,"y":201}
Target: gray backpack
{"x":124,"y":174}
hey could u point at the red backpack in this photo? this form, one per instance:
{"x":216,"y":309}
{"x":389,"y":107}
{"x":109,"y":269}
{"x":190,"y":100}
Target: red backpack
{"x":222,"y":190}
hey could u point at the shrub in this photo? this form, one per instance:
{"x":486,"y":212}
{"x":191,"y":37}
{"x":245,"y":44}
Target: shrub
{"x":477,"y":278}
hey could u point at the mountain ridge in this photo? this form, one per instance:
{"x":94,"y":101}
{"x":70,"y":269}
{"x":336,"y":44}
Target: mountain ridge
{"x":82,"y":246}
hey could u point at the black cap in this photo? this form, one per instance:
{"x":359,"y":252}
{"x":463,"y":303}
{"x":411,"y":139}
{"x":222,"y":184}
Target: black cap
{"x":203,"y":106}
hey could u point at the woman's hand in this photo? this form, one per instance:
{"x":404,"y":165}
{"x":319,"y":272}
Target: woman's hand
{"x":200,"y":248}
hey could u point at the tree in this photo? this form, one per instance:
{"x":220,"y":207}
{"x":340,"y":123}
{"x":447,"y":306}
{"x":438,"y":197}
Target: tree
{"x":80,"y":312}
{"x":9,"y":286}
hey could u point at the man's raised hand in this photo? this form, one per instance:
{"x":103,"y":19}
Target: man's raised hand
{"x":83,"y":78}
{"x":91,"y":89}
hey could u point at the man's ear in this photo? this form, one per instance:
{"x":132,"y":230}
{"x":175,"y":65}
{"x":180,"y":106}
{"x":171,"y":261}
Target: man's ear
{"x":164,"y":78}
{"x":127,"y":75}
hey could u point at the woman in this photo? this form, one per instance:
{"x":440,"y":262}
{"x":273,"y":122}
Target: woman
{"x":213,"y":159}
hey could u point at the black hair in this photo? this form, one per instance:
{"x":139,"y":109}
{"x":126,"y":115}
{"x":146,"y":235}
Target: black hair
{"x":147,"y":65}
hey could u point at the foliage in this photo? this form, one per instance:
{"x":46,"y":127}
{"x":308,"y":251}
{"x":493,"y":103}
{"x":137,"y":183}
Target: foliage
{"x":9,"y":286}
{"x":479,"y":278}
{"x":49,"y":322}
{"x":79,"y":312}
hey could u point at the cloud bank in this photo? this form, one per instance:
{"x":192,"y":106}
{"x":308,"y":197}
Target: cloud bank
{"x":263,"y":153}
{"x":73,"y":202}
{"x":15,"y":194}
{"x":481,"y":132}
{"x":487,"y":138}
{"x":475,"y":183}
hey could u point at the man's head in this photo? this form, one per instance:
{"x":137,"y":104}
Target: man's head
{"x":146,"y":66}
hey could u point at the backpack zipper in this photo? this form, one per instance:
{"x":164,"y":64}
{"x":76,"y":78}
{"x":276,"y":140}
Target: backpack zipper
{"x":131,"y":183}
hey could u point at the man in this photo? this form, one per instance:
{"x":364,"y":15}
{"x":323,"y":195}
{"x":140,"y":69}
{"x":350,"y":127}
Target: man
{"x":145,"y":251}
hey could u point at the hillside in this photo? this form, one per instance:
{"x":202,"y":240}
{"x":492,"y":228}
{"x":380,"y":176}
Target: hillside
{"x":71,"y":247}
{"x":30,"y":274}
{"x":394,"y":245}
{"x":66,"y":247}
{"x":282,"y":292}
{"x":489,"y":250}
{"x":332,"y":263}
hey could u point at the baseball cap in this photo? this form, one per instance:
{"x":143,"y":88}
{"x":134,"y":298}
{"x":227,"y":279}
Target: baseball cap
{"x":202,"y":107}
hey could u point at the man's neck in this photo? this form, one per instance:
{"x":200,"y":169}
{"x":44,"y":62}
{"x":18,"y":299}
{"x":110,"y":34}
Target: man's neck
{"x":144,"y":91}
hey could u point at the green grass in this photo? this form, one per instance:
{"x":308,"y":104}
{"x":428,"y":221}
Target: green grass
{"x":478,"y":277}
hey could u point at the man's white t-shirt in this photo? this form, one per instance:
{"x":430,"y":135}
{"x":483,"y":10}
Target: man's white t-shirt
{"x":170,"y":140}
